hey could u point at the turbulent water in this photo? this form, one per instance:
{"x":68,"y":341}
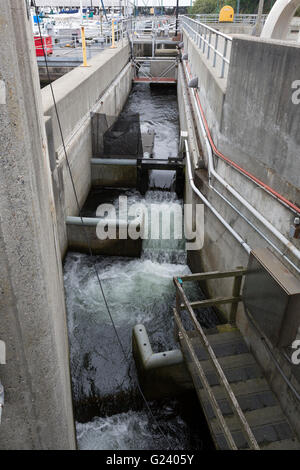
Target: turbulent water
{"x":131,"y":431}
{"x":158,"y":111}
{"x":108,"y":407}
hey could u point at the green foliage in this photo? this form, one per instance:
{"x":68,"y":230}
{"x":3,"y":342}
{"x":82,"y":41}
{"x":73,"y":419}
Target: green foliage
{"x":214,"y":6}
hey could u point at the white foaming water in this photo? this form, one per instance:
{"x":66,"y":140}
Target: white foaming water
{"x":131,"y":287}
{"x":137,"y":291}
{"x":129,"y":431}
{"x":157,"y":203}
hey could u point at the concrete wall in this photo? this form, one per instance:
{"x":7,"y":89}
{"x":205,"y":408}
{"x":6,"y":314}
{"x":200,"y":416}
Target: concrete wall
{"x":79,"y":229}
{"x":232,"y":28}
{"x":260,"y":124}
{"x":266,"y":143}
{"x":102,"y":87}
{"x":260,"y":134}
{"x":113,"y":174}
{"x":36,"y":379}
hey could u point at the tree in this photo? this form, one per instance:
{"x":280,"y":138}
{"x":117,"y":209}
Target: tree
{"x":213,"y":6}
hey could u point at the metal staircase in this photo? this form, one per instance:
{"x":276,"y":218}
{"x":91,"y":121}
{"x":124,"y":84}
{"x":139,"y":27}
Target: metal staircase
{"x":240,"y":407}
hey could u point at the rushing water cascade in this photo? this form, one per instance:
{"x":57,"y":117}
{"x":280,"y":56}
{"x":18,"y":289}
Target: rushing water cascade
{"x":108,"y":408}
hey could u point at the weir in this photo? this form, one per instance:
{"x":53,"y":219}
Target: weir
{"x":129,"y":202}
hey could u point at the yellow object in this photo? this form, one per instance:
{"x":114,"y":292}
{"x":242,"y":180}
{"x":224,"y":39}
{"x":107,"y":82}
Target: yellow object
{"x":113,"y":34}
{"x":85,"y":64}
{"x":226,"y":14}
{"x":226,"y":328}
{"x":151,"y":11}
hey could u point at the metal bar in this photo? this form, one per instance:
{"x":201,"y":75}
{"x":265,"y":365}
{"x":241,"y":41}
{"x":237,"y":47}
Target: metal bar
{"x":216,"y":47}
{"x":224,"y":57}
{"x":235,"y":405}
{"x":236,"y":291}
{"x":216,"y":301}
{"x":212,"y":398}
{"x":186,"y":20}
{"x":209,"y":45}
{"x":213,"y":275}
{"x":83,"y":47}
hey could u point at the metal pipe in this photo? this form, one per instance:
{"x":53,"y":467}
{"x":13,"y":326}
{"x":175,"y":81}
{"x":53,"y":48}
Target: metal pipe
{"x":242,"y":242}
{"x":85,"y":64}
{"x":237,"y":195}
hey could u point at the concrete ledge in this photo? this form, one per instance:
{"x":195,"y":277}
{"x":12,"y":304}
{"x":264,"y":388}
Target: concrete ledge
{"x":160,"y":374}
{"x":79,"y":229}
{"x":212,"y":89}
{"x":77,"y":91}
{"x":78,"y":141}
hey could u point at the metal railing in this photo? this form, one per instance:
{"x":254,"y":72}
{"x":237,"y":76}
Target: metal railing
{"x":182,"y":303}
{"x":213,"y":44}
{"x":240,"y":19}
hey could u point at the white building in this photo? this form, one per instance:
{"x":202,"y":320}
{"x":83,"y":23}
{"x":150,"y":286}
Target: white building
{"x":114,"y":3}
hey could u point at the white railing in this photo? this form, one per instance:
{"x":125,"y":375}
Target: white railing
{"x":213,"y":44}
{"x":241,"y":18}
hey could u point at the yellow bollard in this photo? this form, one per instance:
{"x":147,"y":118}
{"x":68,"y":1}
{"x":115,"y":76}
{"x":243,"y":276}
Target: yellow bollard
{"x":85,"y":64}
{"x":113,"y":34}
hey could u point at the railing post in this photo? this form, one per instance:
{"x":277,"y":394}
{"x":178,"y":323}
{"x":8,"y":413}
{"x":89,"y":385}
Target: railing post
{"x":235,"y":293}
{"x":113,"y":34}
{"x":223,"y":58}
{"x":85,"y":64}
{"x":208,"y":47}
{"x":216,"y":48}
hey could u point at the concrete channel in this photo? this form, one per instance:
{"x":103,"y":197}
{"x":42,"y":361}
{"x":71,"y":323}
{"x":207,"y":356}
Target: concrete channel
{"x":129,"y":143}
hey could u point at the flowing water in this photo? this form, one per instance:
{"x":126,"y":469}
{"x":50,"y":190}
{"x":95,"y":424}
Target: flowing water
{"x":109,"y":411}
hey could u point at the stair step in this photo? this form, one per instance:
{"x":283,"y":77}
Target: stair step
{"x":257,"y":401}
{"x":285,"y":444}
{"x":238,"y":368}
{"x":221,"y":347}
{"x":251,"y":395}
{"x":267,"y":424}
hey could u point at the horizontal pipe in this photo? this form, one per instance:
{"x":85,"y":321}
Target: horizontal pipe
{"x":152,"y":360}
{"x":94,"y":221}
{"x":114,"y":161}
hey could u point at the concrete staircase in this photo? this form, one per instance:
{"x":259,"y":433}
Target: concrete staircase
{"x":257,"y":401}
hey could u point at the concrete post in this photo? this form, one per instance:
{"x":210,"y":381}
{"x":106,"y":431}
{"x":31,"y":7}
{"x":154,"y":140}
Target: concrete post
{"x":259,"y":16}
{"x":38,"y":406}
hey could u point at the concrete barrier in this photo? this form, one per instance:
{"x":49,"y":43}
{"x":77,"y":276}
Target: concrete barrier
{"x":37,"y":412}
{"x":82,"y":236}
{"x":102,"y":87}
{"x":111,"y":172}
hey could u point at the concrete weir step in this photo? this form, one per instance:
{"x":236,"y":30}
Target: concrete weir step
{"x":259,"y":404}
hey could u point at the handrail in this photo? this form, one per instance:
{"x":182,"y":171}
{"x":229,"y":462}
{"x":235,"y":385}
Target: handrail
{"x":248,"y":19}
{"x":203,"y":36}
{"x":210,"y":145}
{"x":205,"y":383}
{"x":215,"y":31}
{"x":180,"y":296}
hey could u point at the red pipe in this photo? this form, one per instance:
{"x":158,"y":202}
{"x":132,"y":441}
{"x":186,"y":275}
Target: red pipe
{"x":239,"y":168}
